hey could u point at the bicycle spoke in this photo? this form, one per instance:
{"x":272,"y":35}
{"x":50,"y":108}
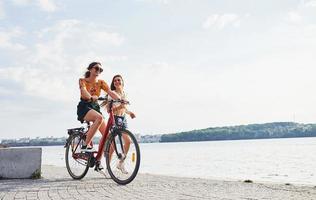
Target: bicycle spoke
{"x":76,"y":161}
{"x":123,"y":169}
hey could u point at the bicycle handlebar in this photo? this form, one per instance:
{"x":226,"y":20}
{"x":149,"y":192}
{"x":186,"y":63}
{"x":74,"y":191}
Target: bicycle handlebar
{"x":114,"y":100}
{"x":102,"y":99}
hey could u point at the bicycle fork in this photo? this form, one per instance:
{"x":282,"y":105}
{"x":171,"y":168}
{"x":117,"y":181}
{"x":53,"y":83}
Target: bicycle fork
{"x":121,"y":155}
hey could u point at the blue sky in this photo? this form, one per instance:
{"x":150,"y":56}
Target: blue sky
{"x":186,"y":64}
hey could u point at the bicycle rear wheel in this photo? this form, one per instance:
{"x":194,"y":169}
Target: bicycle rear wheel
{"x":122,"y":167}
{"x":76,"y":161}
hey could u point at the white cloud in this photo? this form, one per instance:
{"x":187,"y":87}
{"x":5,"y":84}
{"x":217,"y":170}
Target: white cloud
{"x":155,"y":1}
{"x":2,"y":11}
{"x":221,"y":21}
{"x":45,"y":5}
{"x":7,"y":39}
{"x":304,"y":13}
{"x":294,"y":17}
{"x":311,"y":3}
{"x":21,"y":2}
{"x":50,"y":67}
{"x":67,"y":31}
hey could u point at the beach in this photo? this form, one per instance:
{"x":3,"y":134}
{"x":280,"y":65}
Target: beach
{"x":57,"y":184}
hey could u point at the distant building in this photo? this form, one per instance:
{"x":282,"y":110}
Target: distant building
{"x":149,"y":138}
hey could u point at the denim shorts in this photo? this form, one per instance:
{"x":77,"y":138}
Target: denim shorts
{"x":120,"y":122}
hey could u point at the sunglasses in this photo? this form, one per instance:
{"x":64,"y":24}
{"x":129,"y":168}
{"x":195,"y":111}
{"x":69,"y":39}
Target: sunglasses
{"x":98,"y":69}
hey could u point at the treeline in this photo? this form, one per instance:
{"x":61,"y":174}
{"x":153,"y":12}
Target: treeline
{"x":252,"y":131}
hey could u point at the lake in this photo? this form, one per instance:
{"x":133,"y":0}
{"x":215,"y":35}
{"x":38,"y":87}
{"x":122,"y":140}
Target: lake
{"x":291,"y":160}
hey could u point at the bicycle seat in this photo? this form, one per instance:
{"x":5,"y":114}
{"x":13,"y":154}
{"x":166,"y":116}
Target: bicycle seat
{"x":85,"y":122}
{"x":74,"y":130}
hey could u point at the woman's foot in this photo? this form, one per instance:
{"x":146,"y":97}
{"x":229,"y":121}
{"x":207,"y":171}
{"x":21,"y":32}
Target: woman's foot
{"x":98,"y":166}
{"x":87,"y":148}
{"x":121,"y":167}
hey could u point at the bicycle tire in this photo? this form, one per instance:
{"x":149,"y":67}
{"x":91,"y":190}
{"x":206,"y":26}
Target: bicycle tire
{"x":72,"y":141}
{"x":114,"y":175}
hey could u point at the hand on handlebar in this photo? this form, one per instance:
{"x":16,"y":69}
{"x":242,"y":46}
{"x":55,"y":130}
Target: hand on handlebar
{"x":94,"y":98}
{"x":102,"y":98}
{"x":123,"y":101}
{"x":117,"y":100}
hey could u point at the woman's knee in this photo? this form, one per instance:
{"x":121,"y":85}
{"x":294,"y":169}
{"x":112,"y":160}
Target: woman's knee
{"x":99,"y":119}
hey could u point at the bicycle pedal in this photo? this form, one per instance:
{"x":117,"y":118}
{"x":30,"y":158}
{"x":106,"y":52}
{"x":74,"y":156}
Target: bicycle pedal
{"x":89,"y":152}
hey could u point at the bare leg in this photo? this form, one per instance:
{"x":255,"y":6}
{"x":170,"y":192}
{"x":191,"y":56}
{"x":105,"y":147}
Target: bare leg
{"x":127,"y":144}
{"x":97,"y":120}
{"x":111,"y":151}
{"x":120,"y":165}
{"x":102,"y":131}
{"x":102,"y":127}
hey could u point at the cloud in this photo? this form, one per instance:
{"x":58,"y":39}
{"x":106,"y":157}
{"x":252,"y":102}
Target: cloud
{"x":21,"y":2}
{"x":294,"y":17}
{"x":165,"y":2}
{"x":2,"y":11}
{"x":221,"y":21}
{"x":311,"y":3}
{"x":50,"y":67}
{"x":67,"y":31}
{"x":47,"y":5}
{"x":44,"y":5}
{"x":304,"y":13}
{"x":7,"y":39}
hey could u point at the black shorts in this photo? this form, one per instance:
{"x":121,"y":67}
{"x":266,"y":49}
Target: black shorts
{"x":84,"y":107}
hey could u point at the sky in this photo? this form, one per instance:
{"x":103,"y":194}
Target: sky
{"x":187,"y":64}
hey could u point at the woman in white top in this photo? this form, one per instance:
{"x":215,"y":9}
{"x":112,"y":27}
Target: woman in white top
{"x":120,"y":111}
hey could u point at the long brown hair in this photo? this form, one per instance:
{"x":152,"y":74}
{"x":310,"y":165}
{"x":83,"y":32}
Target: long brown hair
{"x":87,"y":73}
{"x":112,"y":88}
{"x":112,"y":83}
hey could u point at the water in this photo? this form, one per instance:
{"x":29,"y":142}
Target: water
{"x":269,"y":160}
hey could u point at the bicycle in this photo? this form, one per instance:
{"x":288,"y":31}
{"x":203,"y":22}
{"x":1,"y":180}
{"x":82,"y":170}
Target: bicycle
{"x":120,"y":146}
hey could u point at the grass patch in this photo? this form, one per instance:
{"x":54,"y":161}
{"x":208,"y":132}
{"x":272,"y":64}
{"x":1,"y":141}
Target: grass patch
{"x":36,"y":174}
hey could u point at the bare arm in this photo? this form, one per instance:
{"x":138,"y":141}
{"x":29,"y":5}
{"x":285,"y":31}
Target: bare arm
{"x":113,"y":95}
{"x":83,"y":91}
{"x":108,"y":107}
{"x":107,"y":89}
{"x":85,"y":94}
{"x":130,"y":113}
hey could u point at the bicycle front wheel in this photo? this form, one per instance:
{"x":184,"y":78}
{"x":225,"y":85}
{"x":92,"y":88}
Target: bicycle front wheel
{"x":76,"y":161}
{"x":122,"y":156}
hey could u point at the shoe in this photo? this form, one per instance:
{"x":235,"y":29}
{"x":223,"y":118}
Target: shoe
{"x":121,"y":167}
{"x":85,"y":148}
{"x":98,"y":166}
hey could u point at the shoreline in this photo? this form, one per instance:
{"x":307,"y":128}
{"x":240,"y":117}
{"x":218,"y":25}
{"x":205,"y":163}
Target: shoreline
{"x":57,"y":184}
{"x":160,"y":142}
